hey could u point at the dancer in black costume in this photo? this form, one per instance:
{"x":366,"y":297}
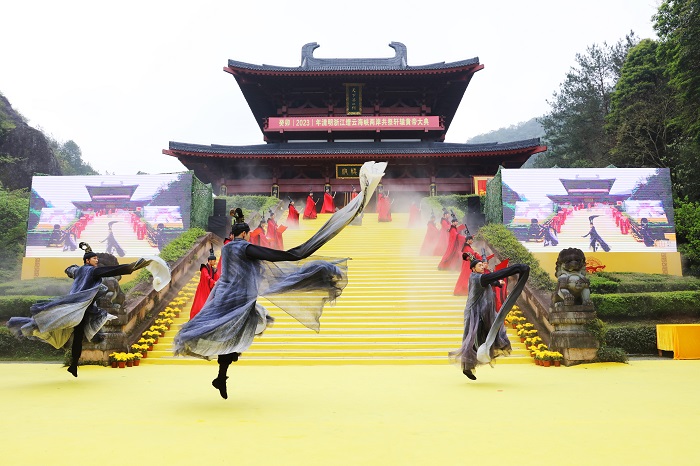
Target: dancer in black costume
{"x":595,"y":237}
{"x":232,"y":317}
{"x":77,"y":313}
{"x":483,"y":328}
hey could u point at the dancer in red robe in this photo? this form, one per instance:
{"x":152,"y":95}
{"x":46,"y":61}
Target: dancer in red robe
{"x":414,"y":215}
{"x":208,"y":275}
{"x":292,"y":215}
{"x":501,"y":290}
{"x":310,"y":210}
{"x":258,"y":236}
{"x":468,"y":255}
{"x":430,"y":239}
{"x":452,"y":258}
{"x":272,"y":236}
{"x":353,"y":194}
{"x":328,"y":203}
{"x":383,"y":208}
{"x":444,"y":236}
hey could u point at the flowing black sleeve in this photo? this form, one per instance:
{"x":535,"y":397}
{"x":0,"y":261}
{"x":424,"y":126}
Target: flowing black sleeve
{"x":488,"y":278}
{"x":123,"y":269}
{"x":253,"y":251}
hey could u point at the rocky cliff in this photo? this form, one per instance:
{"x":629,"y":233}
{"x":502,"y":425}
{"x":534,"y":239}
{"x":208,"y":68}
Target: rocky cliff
{"x":24,"y":151}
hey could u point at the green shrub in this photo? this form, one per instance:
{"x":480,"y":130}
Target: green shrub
{"x":173,"y":251}
{"x":37,"y":287}
{"x":631,"y":306}
{"x":250,"y":204}
{"x":632,"y":282}
{"x":456,"y":203}
{"x":633,"y":338}
{"x":610,"y":354}
{"x":602,"y":285}
{"x":18,"y":306}
{"x":27,"y":350}
{"x":509,"y":247}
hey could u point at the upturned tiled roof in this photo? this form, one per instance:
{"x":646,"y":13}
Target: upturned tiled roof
{"x":356,"y":148}
{"x":309,"y":63}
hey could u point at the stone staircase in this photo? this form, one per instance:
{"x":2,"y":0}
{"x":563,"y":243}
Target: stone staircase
{"x":397,"y":308}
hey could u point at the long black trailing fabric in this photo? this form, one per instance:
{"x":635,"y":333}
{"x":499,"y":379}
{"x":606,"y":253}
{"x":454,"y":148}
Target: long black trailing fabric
{"x":483,"y":354}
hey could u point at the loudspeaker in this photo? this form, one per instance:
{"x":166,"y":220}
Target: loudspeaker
{"x":220,"y":226}
{"x":474,"y":205}
{"x":219,"y":207}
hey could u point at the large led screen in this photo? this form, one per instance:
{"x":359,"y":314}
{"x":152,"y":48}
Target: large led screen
{"x":592,"y":209}
{"x":127,"y":216}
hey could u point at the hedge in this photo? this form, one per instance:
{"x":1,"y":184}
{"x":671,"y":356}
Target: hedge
{"x":13,"y":349}
{"x":173,"y":251}
{"x":250,"y":205}
{"x":507,"y":246}
{"x":634,"y":306}
{"x":633,"y":338}
{"x":18,"y":306}
{"x":37,"y":287}
{"x":629,"y":282}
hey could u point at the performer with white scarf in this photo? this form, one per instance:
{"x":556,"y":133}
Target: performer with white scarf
{"x":231,"y":317}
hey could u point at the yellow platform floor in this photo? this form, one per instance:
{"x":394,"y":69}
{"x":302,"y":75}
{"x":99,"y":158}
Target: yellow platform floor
{"x":643,"y":413}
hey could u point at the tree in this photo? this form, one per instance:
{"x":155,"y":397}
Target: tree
{"x":70,"y":157}
{"x":14,"y":209}
{"x":575,"y":127}
{"x":642,"y":107}
{"x":678,"y":26}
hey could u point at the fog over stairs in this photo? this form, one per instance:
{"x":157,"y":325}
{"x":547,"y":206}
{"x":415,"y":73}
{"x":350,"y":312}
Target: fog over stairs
{"x":397,"y":308}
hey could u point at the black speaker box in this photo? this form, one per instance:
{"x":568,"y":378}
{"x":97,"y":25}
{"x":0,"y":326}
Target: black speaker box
{"x":220,"y":207}
{"x":220,"y":226}
{"x":474,"y":205}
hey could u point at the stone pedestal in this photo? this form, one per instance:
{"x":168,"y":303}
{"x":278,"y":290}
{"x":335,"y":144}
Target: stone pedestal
{"x":571,"y":336}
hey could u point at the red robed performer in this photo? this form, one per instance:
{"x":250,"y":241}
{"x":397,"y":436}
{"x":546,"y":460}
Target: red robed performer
{"x":272,"y":234}
{"x":468,"y":255}
{"x":208,"y":275}
{"x":443,"y":237}
{"x":431,"y":238}
{"x":383,"y":208}
{"x":258,"y":237}
{"x":292,"y":216}
{"x":452,"y":258}
{"x":413,"y":215}
{"x":501,"y":293}
{"x":353,"y":194}
{"x":310,"y":210}
{"x":328,"y":203}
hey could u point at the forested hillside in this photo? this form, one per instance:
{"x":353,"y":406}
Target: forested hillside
{"x":25,"y":152}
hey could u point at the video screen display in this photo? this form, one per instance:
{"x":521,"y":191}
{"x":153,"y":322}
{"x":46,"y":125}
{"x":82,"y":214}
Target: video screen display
{"x":592,"y":209}
{"x":127,"y":216}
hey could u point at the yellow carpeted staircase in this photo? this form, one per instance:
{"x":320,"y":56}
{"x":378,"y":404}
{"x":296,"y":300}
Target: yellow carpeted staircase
{"x":397,"y":308}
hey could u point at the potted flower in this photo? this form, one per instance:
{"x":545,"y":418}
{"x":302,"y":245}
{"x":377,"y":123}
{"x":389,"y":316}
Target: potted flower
{"x":113,"y":360}
{"x":121,"y":360}
{"x":137,"y":358}
{"x":557,"y":357}
{"x":522,"y":334}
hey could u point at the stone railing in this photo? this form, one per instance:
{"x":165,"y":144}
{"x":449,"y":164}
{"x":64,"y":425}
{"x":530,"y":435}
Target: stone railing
{"x":143,"y":304}
{"x":562,"y":329}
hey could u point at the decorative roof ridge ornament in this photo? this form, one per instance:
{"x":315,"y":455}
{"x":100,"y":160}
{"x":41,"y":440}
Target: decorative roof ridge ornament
{"x":400,"y":58}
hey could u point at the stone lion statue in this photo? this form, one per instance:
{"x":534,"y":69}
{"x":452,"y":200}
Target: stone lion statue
{"x":573,"y":287}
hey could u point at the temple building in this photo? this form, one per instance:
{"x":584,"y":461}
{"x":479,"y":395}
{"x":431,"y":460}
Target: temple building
{"x":321,"y":120}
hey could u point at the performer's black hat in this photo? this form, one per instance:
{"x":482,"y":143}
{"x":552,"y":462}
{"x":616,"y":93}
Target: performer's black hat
{"x":468,"y":238}
{"x":473,"y":263}
{"x":88,"y":250}
{"x":239,"y":228}
{"x":211,"y":257}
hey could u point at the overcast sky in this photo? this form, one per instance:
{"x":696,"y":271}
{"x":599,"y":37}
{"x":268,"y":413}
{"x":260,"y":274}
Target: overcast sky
{"x":122,"y":79}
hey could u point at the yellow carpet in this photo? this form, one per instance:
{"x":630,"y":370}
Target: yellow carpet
{"x":398,"y":308}
{"x":643,"y":413}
